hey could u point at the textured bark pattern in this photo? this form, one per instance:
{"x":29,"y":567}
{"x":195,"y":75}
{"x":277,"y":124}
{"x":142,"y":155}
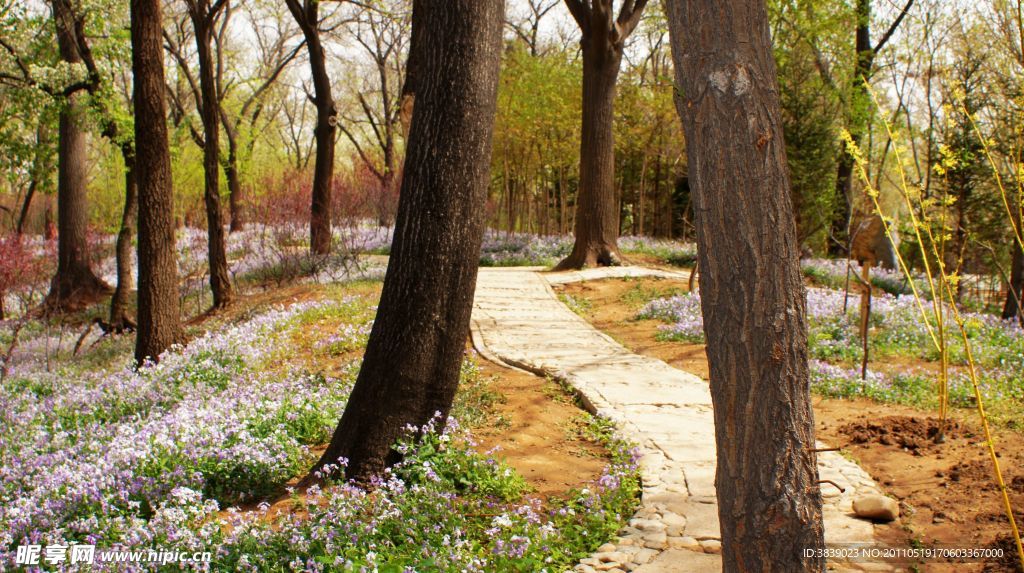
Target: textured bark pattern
{"x":75,"y":284}
{"x":411,"y":366}
{"x":119,"y":319}
{"x":220,"y":283}
{"x":752,"y":295}
{"x":158,"y":319}
{"x":597,"y":210}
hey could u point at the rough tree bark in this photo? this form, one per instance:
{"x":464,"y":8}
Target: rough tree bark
{"x":752,"y":295}
{"x":75,"y":285}
{"x":307,"y":16}
{"x":159,"y":322}
{"x":119,"y":317}
{"x":411,"y":366}
{"x":597,"y":210}
{"x":203,"y":15}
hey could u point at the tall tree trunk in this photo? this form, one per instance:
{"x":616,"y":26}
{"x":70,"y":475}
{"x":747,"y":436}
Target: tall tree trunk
{"x":75,"y":285}
{"x":307,"y":16}
{"x":220,"y":282}
{"x":323,"y":176}
{"x":159,"y":323}
{"x":752,"y":295}
{"x":119,"y":318}
{"x":411,"y":366}
{"x":597,"y":210}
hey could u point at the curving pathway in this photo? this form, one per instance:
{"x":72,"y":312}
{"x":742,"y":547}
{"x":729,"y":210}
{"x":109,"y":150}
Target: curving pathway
{"x":518,"y":321}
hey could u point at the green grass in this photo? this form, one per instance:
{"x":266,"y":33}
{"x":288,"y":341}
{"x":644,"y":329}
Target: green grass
{"x":580,"y":305}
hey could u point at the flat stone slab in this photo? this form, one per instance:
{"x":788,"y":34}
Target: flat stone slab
{"x":679,"y":560}
{"x":518,"y":321}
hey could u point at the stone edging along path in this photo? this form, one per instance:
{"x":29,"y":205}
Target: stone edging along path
{"x":519,"y":322}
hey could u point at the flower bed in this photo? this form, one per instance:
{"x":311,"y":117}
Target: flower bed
{"x":147,"y":459}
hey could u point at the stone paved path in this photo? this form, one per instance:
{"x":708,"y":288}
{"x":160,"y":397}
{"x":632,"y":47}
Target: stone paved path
{"x":519,"y":321}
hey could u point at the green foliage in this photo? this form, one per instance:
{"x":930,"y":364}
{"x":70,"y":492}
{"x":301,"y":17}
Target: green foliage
{"x":431,"y":461}
{"x":581,"y":306}
{"x":811,"y":110}
{"x":476,"y":398}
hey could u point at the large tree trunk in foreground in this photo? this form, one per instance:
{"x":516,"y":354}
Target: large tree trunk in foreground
{"x":752,"y":295}
{"x":159,"y":325}
{"x":597,"y":209}
{"x":119,"y":317}
{"x":307,"y":16}
{"x":75,"y":285}
{"x":411,"y":366}
{"x":220,"y":283}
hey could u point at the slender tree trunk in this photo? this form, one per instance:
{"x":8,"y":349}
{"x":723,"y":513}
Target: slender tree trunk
{"x":411,"y":366}
{"x":658,"y":213}
{"x":752,"y":294}
{"x":26,"y":205}
{"x":75,"y":285}
{"x":857,"y":124}
{"x":235,"y":192}
{"x":642,"y":194}
{"x":597,"y":211}
{"x":159,"y":325}
{"x":1015,"y":290}
{"x":41,"y":167}
{"x":220,"y":283}
{"x":307,"y":16}
{"x":323,"y":176}
{"x":563,"y":202}
{"x":119,"y":318}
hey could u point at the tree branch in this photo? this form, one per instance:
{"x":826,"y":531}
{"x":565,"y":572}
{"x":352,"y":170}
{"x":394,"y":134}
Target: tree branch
{"x":629,"y":19}
{"x":580,"y":12}
{"x":892,"y":29}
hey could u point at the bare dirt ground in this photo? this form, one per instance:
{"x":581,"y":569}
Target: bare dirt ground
{"x":536,"y":429}
{"x":947,"y":492}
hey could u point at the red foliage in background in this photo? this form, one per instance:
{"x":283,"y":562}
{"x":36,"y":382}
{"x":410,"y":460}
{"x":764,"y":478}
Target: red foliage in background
{"x":23,"y":268}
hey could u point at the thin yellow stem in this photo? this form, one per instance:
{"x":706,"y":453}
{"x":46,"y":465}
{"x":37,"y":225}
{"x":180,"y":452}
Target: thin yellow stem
{"x":1015,"y":222}
{"x":989,"y":440}
{"x":937,"y":302}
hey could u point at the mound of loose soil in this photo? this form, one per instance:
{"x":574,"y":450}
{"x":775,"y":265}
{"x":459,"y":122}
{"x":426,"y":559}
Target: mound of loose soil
{"x":1009,"y":562}
{"x":910,"y":432}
